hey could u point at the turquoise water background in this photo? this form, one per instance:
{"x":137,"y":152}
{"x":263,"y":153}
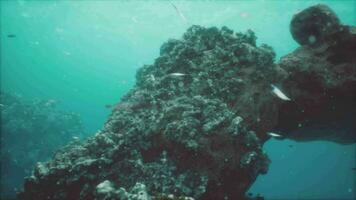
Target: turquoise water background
{"x":85,"y":54}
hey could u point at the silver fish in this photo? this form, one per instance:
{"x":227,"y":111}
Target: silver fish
{"x":274,"y":135}
{"x":279,"y":93}
{"x":177,"y":74}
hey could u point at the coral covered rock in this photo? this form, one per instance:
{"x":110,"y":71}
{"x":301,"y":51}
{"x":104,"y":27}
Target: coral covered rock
{"x":194,"y":124}
{"x":194,"y":134}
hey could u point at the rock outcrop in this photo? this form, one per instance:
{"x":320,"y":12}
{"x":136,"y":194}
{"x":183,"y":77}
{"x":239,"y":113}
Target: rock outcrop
{"x":195,"y":122}
{"x":321,"y":79}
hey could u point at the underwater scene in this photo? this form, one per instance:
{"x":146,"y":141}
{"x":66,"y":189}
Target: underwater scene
{"x":178,"y":100}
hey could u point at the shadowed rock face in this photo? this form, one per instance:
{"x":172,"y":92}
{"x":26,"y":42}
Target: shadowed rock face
{"x":321,"y":80}
{"x":314,"y":25}
{"x":200,"y":134}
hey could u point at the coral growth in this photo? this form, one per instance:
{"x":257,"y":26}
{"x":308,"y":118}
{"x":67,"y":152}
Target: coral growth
{"x":194,"y":124}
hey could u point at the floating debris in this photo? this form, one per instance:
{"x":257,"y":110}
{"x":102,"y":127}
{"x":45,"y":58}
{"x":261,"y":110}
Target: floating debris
{"x":279,"y":93}
{"x":67,"y":53}
{"x":59,"y":30}
{"x":244,"y":15}
{"x":134,"y":19}
{"x":179,"y":12}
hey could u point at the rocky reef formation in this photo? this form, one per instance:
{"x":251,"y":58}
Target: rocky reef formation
{"x":31,"y":130}
{"x":195,"y":122}
{"x":321,"y":79}
{"x":174,"y":134}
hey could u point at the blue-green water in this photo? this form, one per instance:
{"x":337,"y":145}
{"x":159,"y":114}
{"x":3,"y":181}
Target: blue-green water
{"x":85,"y":54}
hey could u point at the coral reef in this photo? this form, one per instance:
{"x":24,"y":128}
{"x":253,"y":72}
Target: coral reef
{"x":195,"y":122}
{"x":30,"y":132}
{"x":176,"y":135}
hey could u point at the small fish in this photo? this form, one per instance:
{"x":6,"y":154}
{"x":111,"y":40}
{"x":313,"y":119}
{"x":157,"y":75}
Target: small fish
{"x":11,"y":35}
{"x":1,"y":105}
{"x":179,"y":12}
{"x":354,"y":168}
{"x":291,"y":146}
{"x":75,"y":138}
{"x":244,"y":14}
{"x":177,"y":74}
{"x":109,"y":106}
{"x":274,"y":135}
{"x":279,"y":93}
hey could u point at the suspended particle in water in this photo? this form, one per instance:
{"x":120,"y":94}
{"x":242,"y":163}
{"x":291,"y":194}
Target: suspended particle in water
{"x":311,"y":39}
